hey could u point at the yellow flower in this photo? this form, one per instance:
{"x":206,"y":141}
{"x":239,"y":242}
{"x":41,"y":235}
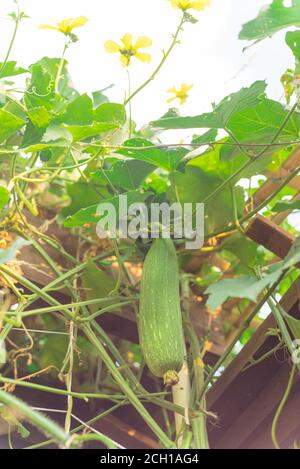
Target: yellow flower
{"x":181,"y":94}
{"x":66,"y":26}
{"x":128,"y":49}
{"x":184,"y":5}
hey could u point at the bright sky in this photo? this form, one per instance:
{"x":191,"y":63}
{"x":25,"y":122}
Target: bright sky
{"x":210,"y":57}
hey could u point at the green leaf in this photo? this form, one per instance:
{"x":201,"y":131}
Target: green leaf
{"x":10,"y":69}
{"x":241,"y":287}
{"x":194,"y":185}
{"x":110,"y":112}
{"x":81,"y":132}
{"x":271,"y":20}
{"x":89,"y":215}
{"x":125,"y":174}
{"x":286,"y":205}
{"x":32,"y":135}
{"x":93,"y":194}
{"x":97,"y":284}
{"x":292,"y":39}
{"x":4,"y":196}
{"x":65,"y":87}
{"x":99,"y":97}
{"x":244,"y":249}
{"x":251,"y":287}
{"x":222,"y":113}
{"x":79,"y":112}
{"x":40,"y":116}
{"x":41,"y":89}
{"x":9,"y":254}
{"x":164,"y":158}
{"x":9,"y":124}
{"x":209,"y":136}
{"x":260,"y":124}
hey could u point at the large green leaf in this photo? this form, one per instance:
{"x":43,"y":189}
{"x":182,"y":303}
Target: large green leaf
{"x":261,"y":124}
{"x":10,"y":69}
{"x":81,"y":132}
{"x":243,"y":248}
{"x":4,"y":196}
{"x":293,"y":41}
{"x":195,"y":185}
{"x":110,"y":112}
{"x":271,"y":20}
{"x":222,"y":113}
{"x":65,"y":87}
{"x":97,"y":284}
{"x":250,"y":287}
{"x":93,"y":194}
{"x":9,"y":123}
{"x":165,"y":158}
{"x":205,"y":138}
{"x":212,"y":163}
{"x":125,"y":174}
{"x":89,"y":215}
{"x":79,"y":112}
{"x":41,"y":89}
{"x":286,"y":205}
{"x":40,"y":116}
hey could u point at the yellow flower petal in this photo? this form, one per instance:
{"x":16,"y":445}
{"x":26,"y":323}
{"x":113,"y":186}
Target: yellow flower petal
{"x":185,"y":88}
{"x":142,"y":41}
{"x":143,"y":57}
{"x":171,"y":99}
{"x":127,"y":41}
{"x":111,"y":47}
{"x":66,"y":26}
{"x":200,"y":4}
{"x":78,"y":22}
{"x":48,"y":26}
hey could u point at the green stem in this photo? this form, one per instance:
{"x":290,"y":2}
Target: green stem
{"x":60,"y":68}
{"x":277,"y":313}
{"x":82,"y":426}
{"x":17,"y":22}
{"x":281,"y":406}
{"x":167,"y":443}
{"x":42,"y":422}
{"x":110,"y":444}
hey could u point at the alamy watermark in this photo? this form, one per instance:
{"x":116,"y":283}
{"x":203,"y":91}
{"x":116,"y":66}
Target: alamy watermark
{"x":156,"y":220}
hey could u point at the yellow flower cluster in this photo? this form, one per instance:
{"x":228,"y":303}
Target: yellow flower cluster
{"x":184,"y":5}
{"x":181,"y":94}
{"x":129,"y":49}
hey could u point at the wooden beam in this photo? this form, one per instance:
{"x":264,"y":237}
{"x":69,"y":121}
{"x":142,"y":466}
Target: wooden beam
{"x":271,"y":236}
